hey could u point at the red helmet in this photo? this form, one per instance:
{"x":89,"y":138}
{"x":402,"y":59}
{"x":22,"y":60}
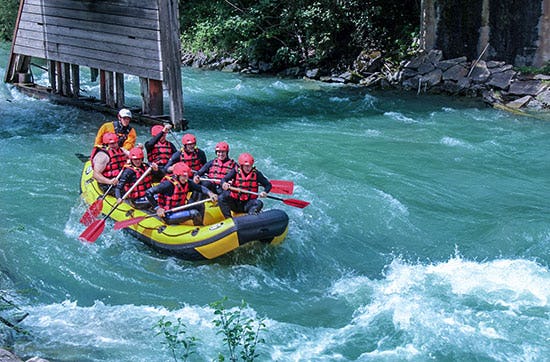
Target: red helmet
{"x":109,"y":137}
{"x":181,"y":169}
{"x":136,"y":153}
{"x":188,"y":139}
{"x":222,"y":146}
{"x":246,"y":159}
{"x":155,"y":130}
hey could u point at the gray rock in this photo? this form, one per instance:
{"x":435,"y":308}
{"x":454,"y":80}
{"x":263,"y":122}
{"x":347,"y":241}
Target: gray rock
{"x":526,"y":87}
{"x":544,"y":98}
{"x":433,"y":78}
{"x":425,"y":68}
{"x":455,"y":73}
{"x":501,"y":80}
{"x":494,"y":64}
{"x":446,"y":64}
{"x":480,"y":73}
{"x":500,"y":69}
{"x":313,"y":73}
{"x":520,"y":102}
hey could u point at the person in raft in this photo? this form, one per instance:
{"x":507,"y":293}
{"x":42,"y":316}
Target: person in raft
{"x":159,"y":150}
{"x":172,"y":192}
{"x":193,"y":156}
{"x":108,"y":160}
{"x":130,"y":174}
{"x":246,"y":177}
{"x":216,"y":169}
{"x":121,"y":127}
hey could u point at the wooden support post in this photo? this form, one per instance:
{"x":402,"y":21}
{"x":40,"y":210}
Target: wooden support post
{"x":110,"y":89}
{"x":145,"y":98}
{"x":171,"y":53}
{"x":66,"y":79}
{"x":94,"y":73}
{"x":155,"y":94}
{"x":51,"y":75}
{"x":119,"y":84}
{"x":75,"y":80}
{"x":102,"y":92}
{"x":58,"y":77}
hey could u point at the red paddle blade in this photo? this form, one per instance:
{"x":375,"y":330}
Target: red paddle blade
{"x":296,"y":203}
{"x":125,"y":223}
{"x":93,"y":231}
{"x":92,"y":213}
{"x":282,"y":187}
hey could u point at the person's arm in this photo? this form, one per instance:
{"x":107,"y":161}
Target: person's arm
{"x":262,"y":180}
{"x":174,"y":159}
{"x":152,"y":142}
{"x":196,"y":187}
{"x":130,"y":140}
{"x":105,"y":127}
{"x":128,"y":175}
{"x":228,"y":177}
{"x":202,"y":156}
{"x":165,"y":187}
{"x":101,"y":160}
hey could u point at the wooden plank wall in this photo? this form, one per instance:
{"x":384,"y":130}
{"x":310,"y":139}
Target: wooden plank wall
{"x":121,"y":36}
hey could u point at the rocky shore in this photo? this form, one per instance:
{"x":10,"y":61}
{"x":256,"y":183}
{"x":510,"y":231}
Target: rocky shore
{"x":496,"y":82}
{"x":7,"y":356}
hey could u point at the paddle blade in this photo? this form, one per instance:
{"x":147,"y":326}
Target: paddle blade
{"x":296,"y":203}
{"x":93,"y":231}
{"x":92,"y":213}
{"x":282,"y":187}
{"x":125,"y":223}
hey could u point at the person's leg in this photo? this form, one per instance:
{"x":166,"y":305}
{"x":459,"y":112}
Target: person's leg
{"x":253,"y":206}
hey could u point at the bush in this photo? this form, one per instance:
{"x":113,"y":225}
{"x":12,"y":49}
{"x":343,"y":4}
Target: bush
{"x":8,"y":15}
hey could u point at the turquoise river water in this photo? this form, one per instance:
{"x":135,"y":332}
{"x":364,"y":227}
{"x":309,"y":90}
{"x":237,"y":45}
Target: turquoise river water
{"x":427,"y":237}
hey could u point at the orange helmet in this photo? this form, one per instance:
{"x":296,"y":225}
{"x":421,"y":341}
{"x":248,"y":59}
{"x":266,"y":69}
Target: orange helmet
{"x":136,"y":153}
{"x":155,"y":130}
{"x":181,"y":169}
{"x":188,"y":139}
{"x":109,"y":137}
{"x":222,"y":146}
{"x":246,"y":159}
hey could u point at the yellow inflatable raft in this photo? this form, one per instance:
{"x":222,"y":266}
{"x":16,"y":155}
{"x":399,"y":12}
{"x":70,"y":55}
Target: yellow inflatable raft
{"x":217,"y":237}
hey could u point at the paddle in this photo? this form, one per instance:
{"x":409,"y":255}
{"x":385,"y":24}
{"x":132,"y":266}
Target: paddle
{"x":95,"y":229}
{"x":277,"y":186}
{"x":125,"y":223}
{"x":95,"y":208}
{"x":292,"y":202}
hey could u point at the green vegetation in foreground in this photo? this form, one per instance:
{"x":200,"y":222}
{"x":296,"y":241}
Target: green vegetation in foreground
{"x":241,"y":335}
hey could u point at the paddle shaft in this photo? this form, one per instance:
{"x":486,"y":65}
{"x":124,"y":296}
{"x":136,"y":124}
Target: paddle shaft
{"x":125,"y":223}
{"x":277,"y":186}
{"x":129,"y":190}
{"x":255,"y":193}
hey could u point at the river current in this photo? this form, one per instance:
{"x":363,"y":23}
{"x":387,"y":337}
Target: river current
{"x":427,"y":236}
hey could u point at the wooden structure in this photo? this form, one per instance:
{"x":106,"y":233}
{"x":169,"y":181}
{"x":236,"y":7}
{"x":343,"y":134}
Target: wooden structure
{"x":113,"y":38}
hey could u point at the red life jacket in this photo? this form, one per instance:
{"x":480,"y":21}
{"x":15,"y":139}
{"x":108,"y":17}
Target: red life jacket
{"x":191,"y":159}
{"x":117,"y":160}
{"x":160,"y":153}
{"x":220,"y":168}
{"x":139,"y":190}
{"x":178,"y":198}
{"x":246,"y":182}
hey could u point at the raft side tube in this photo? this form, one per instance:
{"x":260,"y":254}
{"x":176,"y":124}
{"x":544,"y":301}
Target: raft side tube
{"x":264,"y":226}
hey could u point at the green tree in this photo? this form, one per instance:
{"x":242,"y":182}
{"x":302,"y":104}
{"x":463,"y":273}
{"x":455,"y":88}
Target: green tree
{"x":8,"y":15}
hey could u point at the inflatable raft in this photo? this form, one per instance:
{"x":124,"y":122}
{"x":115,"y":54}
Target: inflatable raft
{"x":217,"y":237}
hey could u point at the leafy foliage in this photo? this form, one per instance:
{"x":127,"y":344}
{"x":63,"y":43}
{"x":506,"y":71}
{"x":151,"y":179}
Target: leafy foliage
{"x":298,"y":32}
{"x":241,"y":334}
{"x":8,"y":15}
{"x":175,"y":337}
